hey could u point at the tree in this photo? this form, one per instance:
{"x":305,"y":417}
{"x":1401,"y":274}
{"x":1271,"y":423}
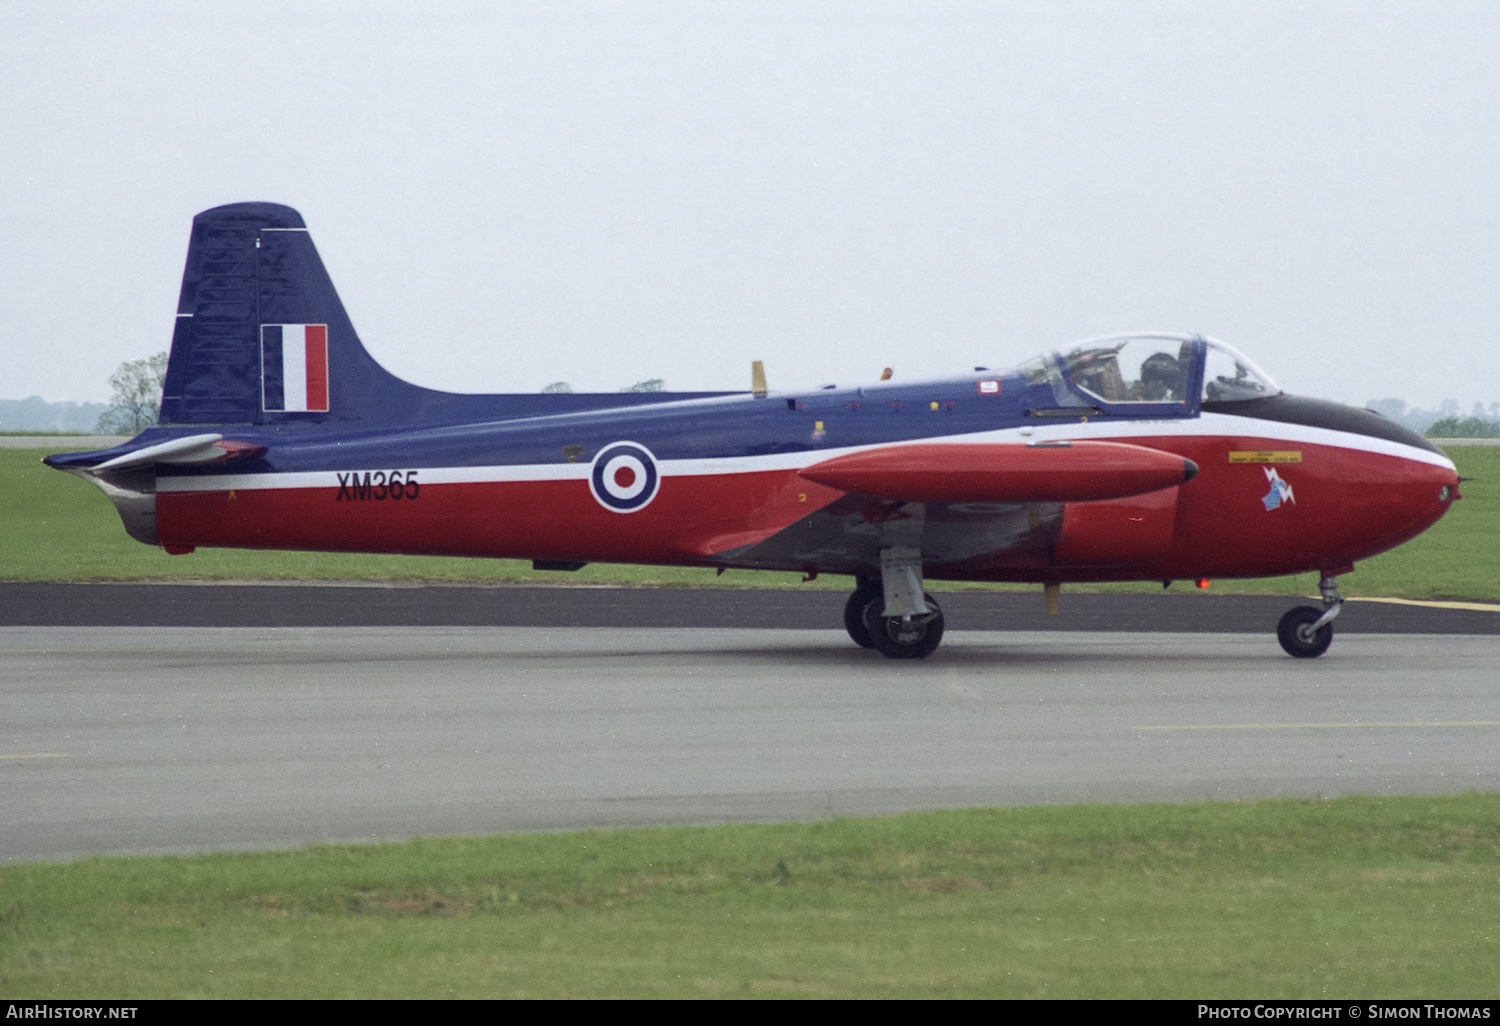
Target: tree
{"x":650,"y":385}
{"x":135,"y":403}
{"x":557,"y":387}
{"x":1465,"y":427}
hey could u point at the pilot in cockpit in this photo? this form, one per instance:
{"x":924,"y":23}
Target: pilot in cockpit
{"x":1161,"y":380}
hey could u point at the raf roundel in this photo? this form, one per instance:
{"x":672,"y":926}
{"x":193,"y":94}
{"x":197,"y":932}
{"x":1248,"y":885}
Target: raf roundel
{"x":624,"y":477}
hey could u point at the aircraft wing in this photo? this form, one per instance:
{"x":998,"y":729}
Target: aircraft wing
{"x":983,"y":504}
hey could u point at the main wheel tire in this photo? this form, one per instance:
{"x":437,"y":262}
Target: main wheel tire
{"x":865,"y":589}
{"x":1296,"y":636}
{"x":895,"y":638}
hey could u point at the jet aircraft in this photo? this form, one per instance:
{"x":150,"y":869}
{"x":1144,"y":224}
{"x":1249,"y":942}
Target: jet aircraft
{"x":1152,"y":456}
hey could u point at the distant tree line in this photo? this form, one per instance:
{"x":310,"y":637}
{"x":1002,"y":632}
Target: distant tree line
{"x":1423,"y":421}
{"x":649,"y":385}
{"x":36,"y":414}
{"x":1464,"y":427}
{"x":134,"y":405}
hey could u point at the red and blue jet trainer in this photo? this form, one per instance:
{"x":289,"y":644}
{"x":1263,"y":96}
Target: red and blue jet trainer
{"x":1145,"y":457}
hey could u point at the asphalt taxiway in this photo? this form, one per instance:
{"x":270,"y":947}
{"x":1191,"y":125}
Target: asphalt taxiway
{"x":181,"y":736}
{"x":379,"y":605}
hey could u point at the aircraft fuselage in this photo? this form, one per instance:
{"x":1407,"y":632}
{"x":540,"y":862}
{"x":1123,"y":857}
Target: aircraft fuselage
{"x":1146,"y":457}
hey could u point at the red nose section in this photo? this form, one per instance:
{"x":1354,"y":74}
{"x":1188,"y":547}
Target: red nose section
{"x":1054,"y":472}
{"x":1334,"y":507}
{"x":1393,"y":501}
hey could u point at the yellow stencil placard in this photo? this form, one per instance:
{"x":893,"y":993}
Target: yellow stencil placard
{"x":1267,"y":456}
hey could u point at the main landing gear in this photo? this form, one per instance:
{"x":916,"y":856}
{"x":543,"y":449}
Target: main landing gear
{"x":1306,"y":631}
{"x":888,"y":616}
{"x":866,"y":590}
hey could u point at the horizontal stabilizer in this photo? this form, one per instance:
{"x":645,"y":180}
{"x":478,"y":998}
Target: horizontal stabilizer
{"x":192,"y":449}
{"x":1048,"y":472}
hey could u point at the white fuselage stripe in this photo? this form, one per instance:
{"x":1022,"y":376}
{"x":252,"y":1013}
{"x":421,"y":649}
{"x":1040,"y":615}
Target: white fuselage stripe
{"x":1209,"y":425}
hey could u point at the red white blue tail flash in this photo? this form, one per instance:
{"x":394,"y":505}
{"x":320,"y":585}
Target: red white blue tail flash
{"x":294,"y":368}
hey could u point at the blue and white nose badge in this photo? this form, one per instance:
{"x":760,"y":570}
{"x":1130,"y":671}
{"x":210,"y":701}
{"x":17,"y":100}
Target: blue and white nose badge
{"x":624,"y":477}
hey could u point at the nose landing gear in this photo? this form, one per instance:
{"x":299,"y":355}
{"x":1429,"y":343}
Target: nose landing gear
{"x":1305,"y":632}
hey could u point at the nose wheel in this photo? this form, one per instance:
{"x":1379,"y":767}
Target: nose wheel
{"x":1305,"y":632}
{"x":1299,"y":634}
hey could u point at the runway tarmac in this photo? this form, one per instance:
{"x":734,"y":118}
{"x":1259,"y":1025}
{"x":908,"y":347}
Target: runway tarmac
{"x":179,"y":739}
{"x":502,"y":605}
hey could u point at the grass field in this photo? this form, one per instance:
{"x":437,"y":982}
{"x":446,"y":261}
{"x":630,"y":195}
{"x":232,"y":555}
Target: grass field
{"x":58,"y":527}
{"x":1358,"y":897}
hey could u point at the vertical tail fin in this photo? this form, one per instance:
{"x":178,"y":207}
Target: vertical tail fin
{"x":261,"y":336}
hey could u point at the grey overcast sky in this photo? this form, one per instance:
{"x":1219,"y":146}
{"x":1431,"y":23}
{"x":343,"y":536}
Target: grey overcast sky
{"x":513,"y":193}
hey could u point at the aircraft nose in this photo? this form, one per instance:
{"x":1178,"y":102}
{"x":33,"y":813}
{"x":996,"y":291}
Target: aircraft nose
{"x":1406,"y":499}
{"x":1387,"y":484}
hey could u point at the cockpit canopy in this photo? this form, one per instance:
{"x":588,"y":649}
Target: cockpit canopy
{"x":1228,"y":375}
{"x":1164,"y":373}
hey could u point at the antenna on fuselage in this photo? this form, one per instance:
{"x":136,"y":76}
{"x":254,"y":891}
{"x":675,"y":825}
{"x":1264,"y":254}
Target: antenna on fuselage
{"x":758,"y":379}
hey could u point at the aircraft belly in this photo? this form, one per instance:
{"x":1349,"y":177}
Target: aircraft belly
{"x":847,"y":536}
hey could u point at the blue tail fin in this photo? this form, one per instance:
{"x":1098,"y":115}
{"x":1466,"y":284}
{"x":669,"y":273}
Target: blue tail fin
{"x":262,"y":338}
{"x":253,"y":280}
